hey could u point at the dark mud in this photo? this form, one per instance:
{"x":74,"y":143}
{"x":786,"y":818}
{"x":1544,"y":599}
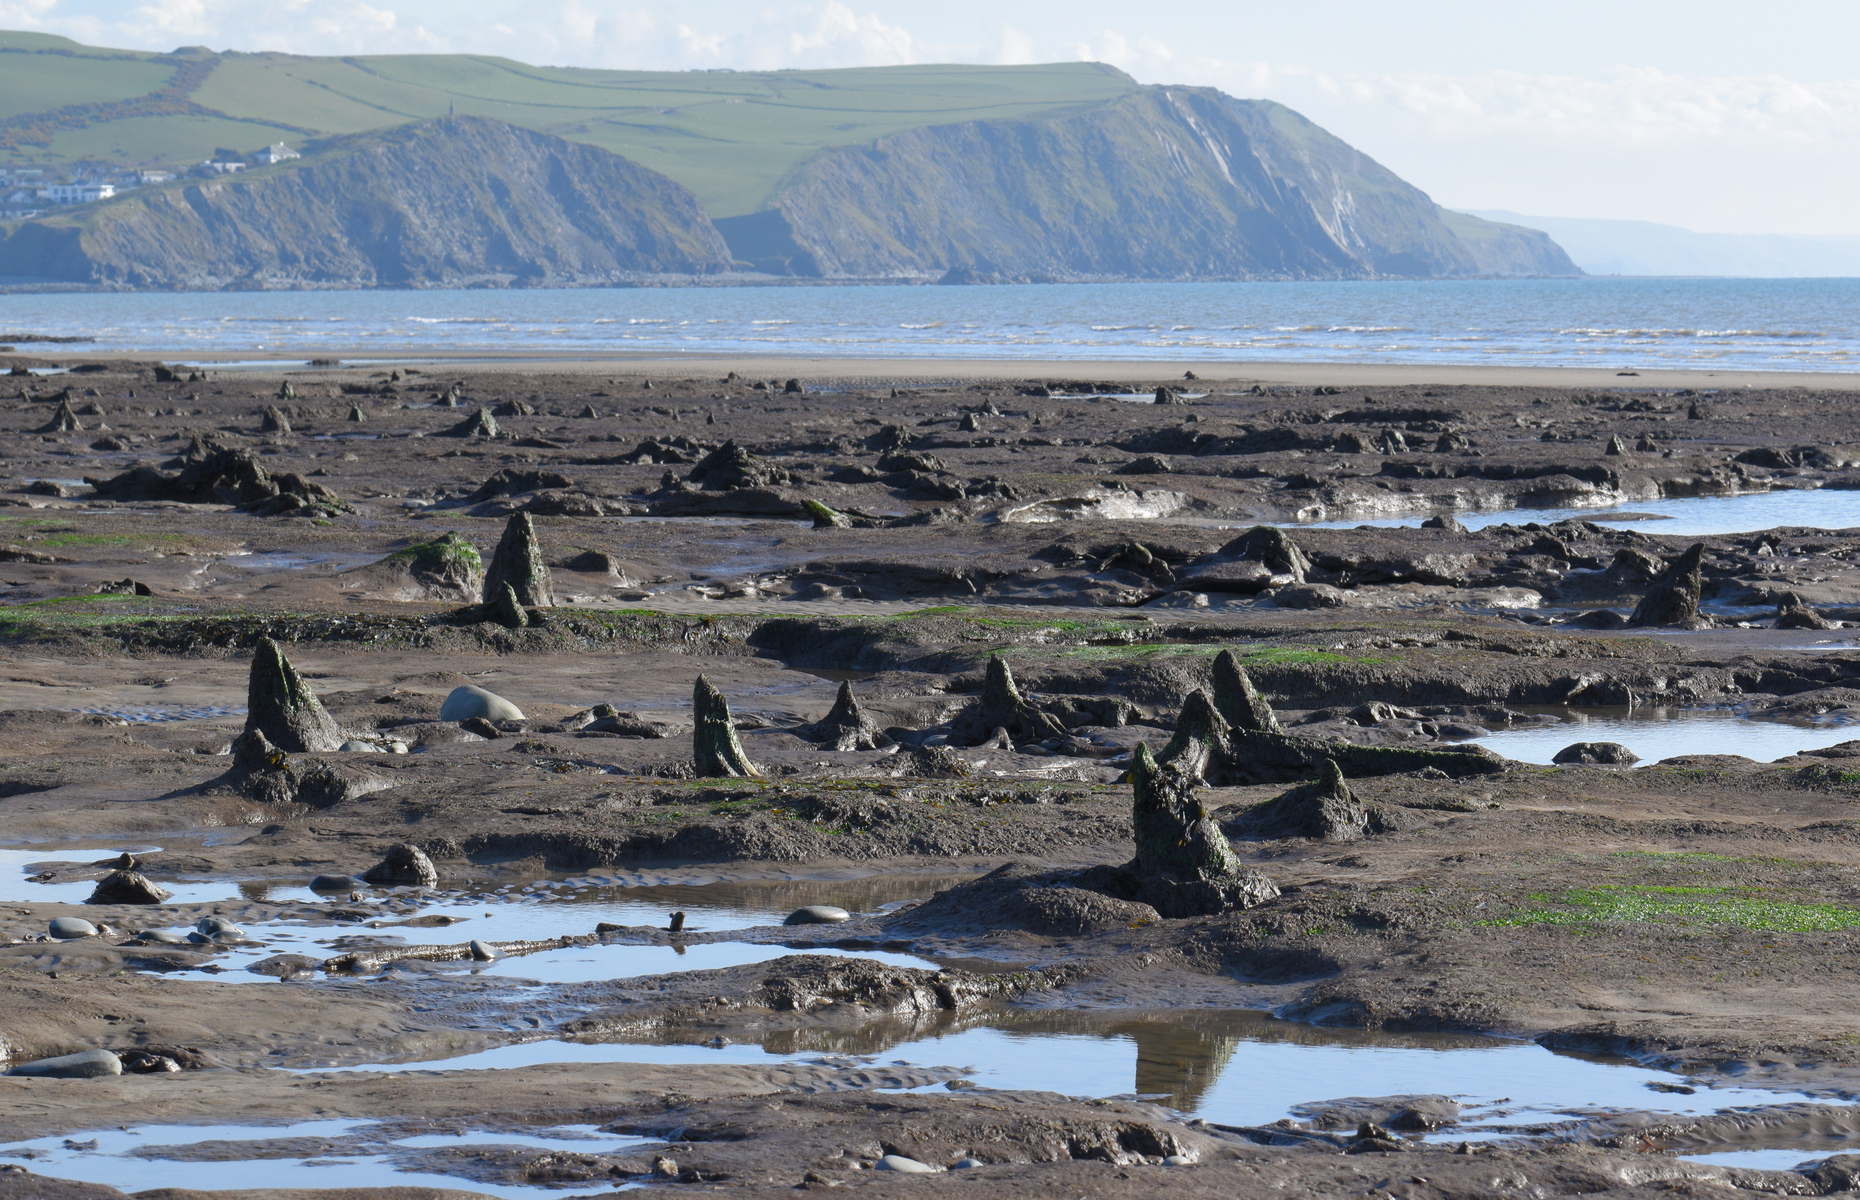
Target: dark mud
{"x":1697,"y":915}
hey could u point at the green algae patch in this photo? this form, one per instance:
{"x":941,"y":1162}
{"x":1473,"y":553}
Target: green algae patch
{"x":446,"y":553}
{"x":1643,"y":903}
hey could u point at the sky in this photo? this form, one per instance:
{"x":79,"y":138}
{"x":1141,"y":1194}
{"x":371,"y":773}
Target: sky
{"x":1715,"y":116}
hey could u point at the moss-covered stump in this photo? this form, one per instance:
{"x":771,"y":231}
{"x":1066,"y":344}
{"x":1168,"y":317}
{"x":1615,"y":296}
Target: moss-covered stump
{"x":280,"y":705}
{"x":1001,"y":706}
{"x":716,"y":749}
{"x":518,"y":563}
{"x":846,"y":727}
{"x":1325,"y":810}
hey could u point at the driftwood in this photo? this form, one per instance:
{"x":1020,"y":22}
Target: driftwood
{"x":356,"y":961}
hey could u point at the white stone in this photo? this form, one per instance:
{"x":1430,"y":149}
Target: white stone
{"x":67,"y":928}
{"x":358,"y":746}
{"x":818,"y":914}
{"x":88,"y":1064}
{"x":468,"y":701}
{"x":904,"y":1166}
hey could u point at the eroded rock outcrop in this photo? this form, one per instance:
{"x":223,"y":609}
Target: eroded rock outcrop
{"x":224,"y":476}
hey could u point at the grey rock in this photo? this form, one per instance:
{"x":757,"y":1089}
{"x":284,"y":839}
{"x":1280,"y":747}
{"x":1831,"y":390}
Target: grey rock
{"x":1270,"y":546}
{"x":463,"y":703}
{"x":218,"y":928}
{"x":357,"y":746}
{"x":87,"y":1064}
{"x":1792,"y":613}
{"x":818,"y":914}
{"x":403,"y":864}
{"x":275,"y":421}
{"x":1149,"y":464}
{"x":903,"y":1165}
{"x":479,"y":424}
{"x":967,"y":1164}
{"x":730,"y":468}
{"x":1608,"y":754}
{"x":280,"y":705}
{"x":161,"y":937}
{"x":1673,"y":598}
{"x":1311,"y":595}
{"x":336,"y":883}
{"x":1447,"y":522}
{"x":71,"y":928}
{"x":127,"y":887}
{"x":285,"y":966}
{"x":482,"y":951}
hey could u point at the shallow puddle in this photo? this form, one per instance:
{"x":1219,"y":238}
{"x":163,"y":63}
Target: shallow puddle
{"x":1658,"y":733}
{"x":1691,"y":516}
{"x":213,"y":1157}
{"x":1232,"y":1068}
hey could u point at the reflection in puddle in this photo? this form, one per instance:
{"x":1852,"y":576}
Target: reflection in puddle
{"x":1657,"y":733}
{"x":1230,"y":1067}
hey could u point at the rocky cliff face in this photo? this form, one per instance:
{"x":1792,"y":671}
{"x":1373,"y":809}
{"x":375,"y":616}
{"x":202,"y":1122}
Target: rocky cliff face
{"x":1164,"y":183}
{"x":456,"y":201}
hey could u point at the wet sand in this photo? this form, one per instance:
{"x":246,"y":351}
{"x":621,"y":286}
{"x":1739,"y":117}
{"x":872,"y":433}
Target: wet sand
{"x":1696,"y":915}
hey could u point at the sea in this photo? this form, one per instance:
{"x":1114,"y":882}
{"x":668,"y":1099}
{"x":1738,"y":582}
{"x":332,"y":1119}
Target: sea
{"x":1621,"y":323}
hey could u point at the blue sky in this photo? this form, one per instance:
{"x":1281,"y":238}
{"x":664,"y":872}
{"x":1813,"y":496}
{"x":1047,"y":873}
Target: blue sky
{"x":1731,"y":117}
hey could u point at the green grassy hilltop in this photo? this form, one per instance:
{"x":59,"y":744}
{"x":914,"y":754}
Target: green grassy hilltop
{"x":727,"y":136}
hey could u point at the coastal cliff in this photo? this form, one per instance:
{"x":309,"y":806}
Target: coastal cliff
{"x":1161,"y":183}
{"x":450,"y":202}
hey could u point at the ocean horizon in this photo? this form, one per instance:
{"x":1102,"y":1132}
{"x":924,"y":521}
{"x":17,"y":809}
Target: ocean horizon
{"x":1616,"y":322}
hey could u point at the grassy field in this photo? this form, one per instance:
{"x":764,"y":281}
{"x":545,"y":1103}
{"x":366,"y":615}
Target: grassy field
{"x":729,"y":137}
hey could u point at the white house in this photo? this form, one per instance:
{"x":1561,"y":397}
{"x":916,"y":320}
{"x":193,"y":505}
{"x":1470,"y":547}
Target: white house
{"x":277,"y":152}
{"x":77,"y":193}
{"x":220,"y":168}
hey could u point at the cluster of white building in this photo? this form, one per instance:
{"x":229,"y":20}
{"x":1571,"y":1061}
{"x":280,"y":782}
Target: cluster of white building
{"x":23,"y":195}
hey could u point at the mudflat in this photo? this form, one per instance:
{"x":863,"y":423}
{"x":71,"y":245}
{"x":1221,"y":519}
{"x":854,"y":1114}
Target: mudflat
{"x":1035,"y":704}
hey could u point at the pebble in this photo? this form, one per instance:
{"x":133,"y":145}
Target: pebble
{"x":904,"y":1166}
{"x":161,"y":937}
{"x":466,"y":702}
{"x":968,"y":1164}
{"x":285,"y":966}
{"x":218,"y":927}
{"x":1177,"y":1160}
{"x":358,"y":746}
{"x":482,"y":951}
{"x":336,"y":883}
{"x":66,"y":928}
{"x":818,"y":914}
{"x":88,"y":1064}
